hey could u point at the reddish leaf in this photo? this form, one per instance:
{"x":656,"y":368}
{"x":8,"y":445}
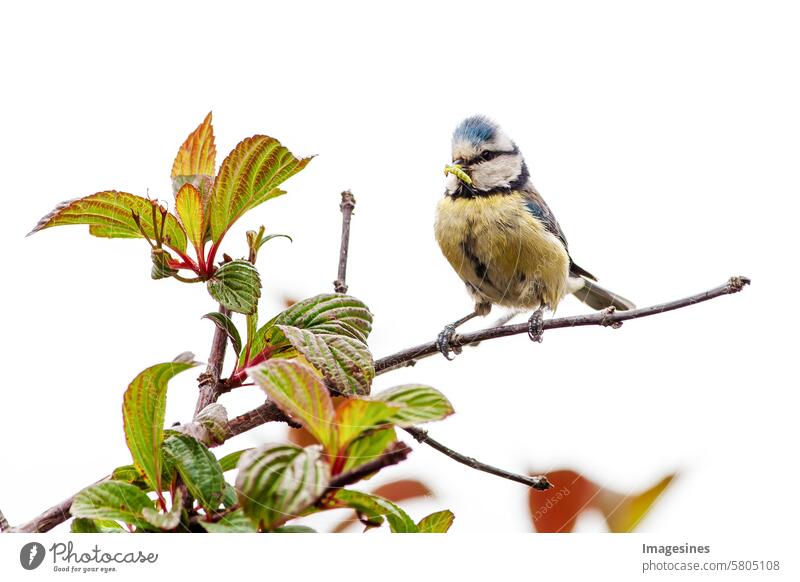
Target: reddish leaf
{"x":557,"y":509}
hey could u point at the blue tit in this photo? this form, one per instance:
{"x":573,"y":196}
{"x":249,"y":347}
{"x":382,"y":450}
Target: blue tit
{"x":500,"y":236}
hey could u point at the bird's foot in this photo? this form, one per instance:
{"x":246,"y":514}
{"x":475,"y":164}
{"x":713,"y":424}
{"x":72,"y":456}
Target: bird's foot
{"x":536,"y":326}
{"x":443,"y":342}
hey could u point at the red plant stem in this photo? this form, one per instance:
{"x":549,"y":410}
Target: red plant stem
{"x":239,"y":375}
{"x":212,"y":254}
{"x":188,"y":262}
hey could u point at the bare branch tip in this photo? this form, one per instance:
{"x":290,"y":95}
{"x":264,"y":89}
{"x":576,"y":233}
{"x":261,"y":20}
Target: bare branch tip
{"x":736,"y":284}
{"x":348,"y":201}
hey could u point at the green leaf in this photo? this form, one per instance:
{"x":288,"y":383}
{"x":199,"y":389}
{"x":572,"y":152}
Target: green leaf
{"x":277,"y":482}
{"x":189,"y":207}
{"x":83,"y":525}
{"x":330,"y":313}
{"x":109,"y":215}
{"x":374,"y":508}
{"x":367,"y":447}
{"x":198,"y":468}
{"x":249,"y":176}
{"x":345,"y":363}
{"x":229,"y":461}
{"x":210,"y":425}
{"x":438,"y":522}
{"x":143,"y":414}
{"x":161,"y":268}
{"x":260,"y":244}
{"x":112,"y":500}
{"x":165,"y":521}
{"x":422,"y":404}
{"x":295,"y":529}
{"x":229,"y":498}
{"x":299,"y":393}
{"x":237,"y":286}
{"x":234,"y":522}
{"x":130,"y":474}
{"x":355,"y":416}
{"x":224,"y":323}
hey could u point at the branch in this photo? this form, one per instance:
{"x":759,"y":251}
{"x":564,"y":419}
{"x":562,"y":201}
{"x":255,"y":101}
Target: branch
{"x":347,"y":205}
{"x":540,"y":482}
{"x":267,"y":412}
{"x":394,"y":454}
{"x":3,"y":522}
{"x":52,"y":517}
{"x":605,"y":318}
{"x":210,"y":385}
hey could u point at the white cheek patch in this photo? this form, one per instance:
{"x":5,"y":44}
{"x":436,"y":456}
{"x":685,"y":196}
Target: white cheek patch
{"x":451,"y":183}
{"x":497,"y":173}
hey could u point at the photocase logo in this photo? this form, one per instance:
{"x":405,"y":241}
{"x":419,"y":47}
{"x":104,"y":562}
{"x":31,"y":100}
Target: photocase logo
{"x":31,"y":555}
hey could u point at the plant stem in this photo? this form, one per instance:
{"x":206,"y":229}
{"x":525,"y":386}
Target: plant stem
{"x":210,"y":384}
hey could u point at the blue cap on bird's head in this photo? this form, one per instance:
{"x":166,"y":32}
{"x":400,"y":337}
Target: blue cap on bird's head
{"x":476,"y":130}
{"x":484,"y":158}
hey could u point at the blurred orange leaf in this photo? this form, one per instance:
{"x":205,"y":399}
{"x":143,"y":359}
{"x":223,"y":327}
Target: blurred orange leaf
{"x":556,"y":510}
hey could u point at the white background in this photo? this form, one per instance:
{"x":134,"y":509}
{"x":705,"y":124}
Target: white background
{"x":664,"y":137}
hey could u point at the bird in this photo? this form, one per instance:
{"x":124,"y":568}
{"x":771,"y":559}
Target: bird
{"x":501,"y":238}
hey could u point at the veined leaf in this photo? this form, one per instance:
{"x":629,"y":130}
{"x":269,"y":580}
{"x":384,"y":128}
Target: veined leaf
{"x":237,"y":286}
{"x":277,"y":482}
{"x":143,"y":414}
{"x":374,"y":508}
{"x":84,"y":525}
{"x":355,"y":416}
{"x":234,"y":522}
{"x":225,"y":323}
{"x":210,"y":425}
{"x":169,"y":520}
{"x":249,"y":176}
{"x":198,"y":468}
{"x":229,"y":461}
{"x":438,"y":522}
{"x":109,"y":214}
{"x":112,"y":500}
{"x":367,"y":447}
{"x":299,"y":393}
{"x":422,"y":404}
{"x":195,"y":163}
{"x":330,"y":313}
{"x":189,"y":206}
{"x":345,"y":363}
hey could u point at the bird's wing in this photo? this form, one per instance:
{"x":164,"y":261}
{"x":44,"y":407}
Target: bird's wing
{"x":536,"y":205}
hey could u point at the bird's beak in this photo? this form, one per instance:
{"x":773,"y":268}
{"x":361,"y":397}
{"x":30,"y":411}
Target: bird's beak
{"x":456,"y":169}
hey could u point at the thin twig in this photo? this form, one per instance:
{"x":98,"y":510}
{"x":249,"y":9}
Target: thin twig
{"x":540,"y":482}
{"x":210,"y":385}
{"x":606,"y":318}
{"x":347,"y":205}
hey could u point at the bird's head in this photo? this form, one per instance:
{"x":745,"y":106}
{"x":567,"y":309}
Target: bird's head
{"x":484,"y":158}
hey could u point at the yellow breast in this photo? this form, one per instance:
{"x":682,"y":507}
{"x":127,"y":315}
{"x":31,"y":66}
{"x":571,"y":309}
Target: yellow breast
{"x":504,"y":254}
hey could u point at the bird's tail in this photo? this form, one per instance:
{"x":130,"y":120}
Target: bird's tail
{"x":598,"y":298}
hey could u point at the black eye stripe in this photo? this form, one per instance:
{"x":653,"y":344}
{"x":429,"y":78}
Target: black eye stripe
{"x":487,"y":155}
